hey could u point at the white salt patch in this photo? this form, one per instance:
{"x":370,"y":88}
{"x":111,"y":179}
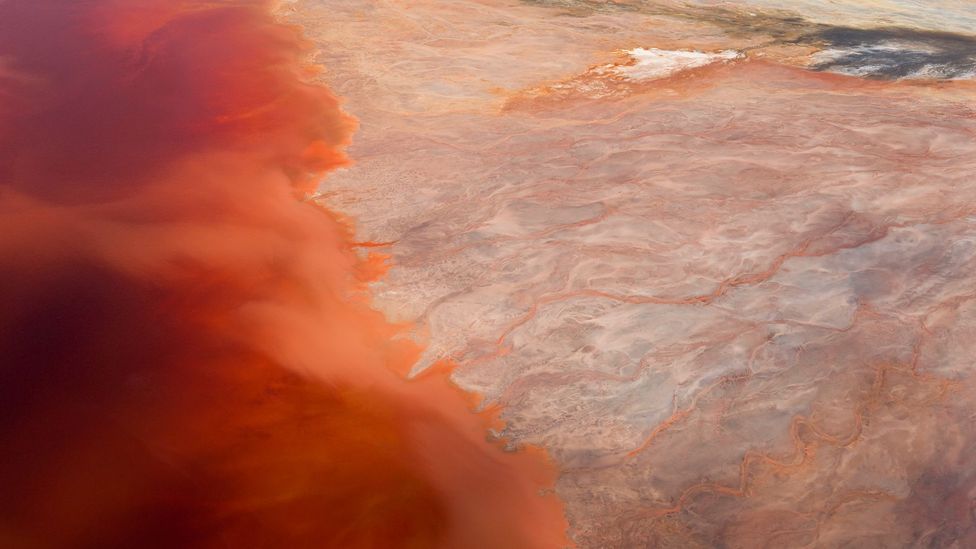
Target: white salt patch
{"x":652,"y":63}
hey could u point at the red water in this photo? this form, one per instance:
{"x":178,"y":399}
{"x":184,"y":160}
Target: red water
{"x":187,"y":351}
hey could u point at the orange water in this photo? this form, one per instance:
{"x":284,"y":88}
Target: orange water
{"x":187,"y":351}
